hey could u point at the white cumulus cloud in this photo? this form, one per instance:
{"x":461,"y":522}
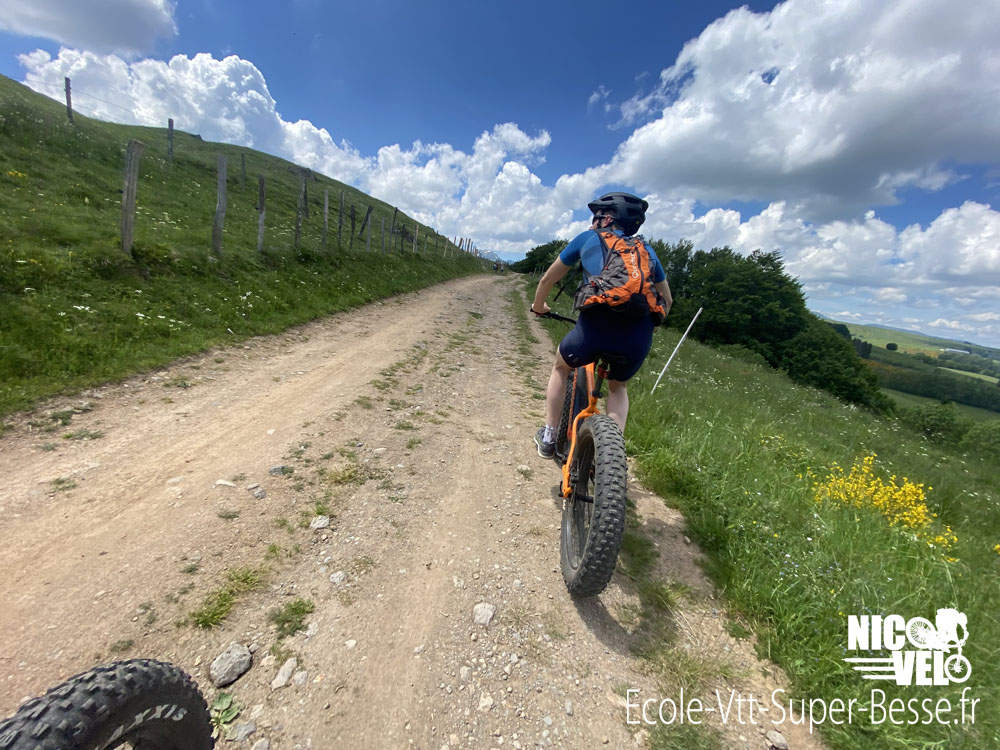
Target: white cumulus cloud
{"x":834,"y":105}
{"x":489,"y":192}
{"x":125,"y":26}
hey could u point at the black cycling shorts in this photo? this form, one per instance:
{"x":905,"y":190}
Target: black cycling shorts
{"x":600,"y":330}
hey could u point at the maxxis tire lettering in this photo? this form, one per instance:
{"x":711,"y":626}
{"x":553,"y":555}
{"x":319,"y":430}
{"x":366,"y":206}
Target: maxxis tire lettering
{"x":147,"y":703}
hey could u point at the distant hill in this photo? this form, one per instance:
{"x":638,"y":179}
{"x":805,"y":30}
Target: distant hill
{"x":912,"y":341}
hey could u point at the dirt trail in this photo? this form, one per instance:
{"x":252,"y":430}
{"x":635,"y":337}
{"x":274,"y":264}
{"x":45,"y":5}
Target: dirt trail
{"x":407,"y":423}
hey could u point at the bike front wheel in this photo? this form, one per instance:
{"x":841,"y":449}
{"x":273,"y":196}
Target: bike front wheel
{"x":593,"y":518}
{"x":136,"y":703}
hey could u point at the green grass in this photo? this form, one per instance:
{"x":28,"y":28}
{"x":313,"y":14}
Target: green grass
{"x":78,"y":311}
{"x":83,"y":435}
{"x":290,"y":618}
{"x":120,"y":647}
{"x":218,"y":603}
{"x":738,"y":448}
{"x":62,"y":484}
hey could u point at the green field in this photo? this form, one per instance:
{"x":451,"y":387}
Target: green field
{"x":979,"y":375}
{"x":906,"y":340}
{"x":909,"y":399}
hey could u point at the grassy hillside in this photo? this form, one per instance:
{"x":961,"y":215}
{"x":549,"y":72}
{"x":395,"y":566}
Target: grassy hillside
{"x":977,"y":375}
{"x":811,"y":510}
{"x":908,"y":341}
{"x":909,"y":400}
{"x":77,"y":310}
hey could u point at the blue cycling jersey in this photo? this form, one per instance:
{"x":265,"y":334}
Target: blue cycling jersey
{"x":587,"y":247}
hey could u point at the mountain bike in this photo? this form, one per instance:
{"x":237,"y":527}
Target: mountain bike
{"x":138,"y":703}
{"x":591,"y":449}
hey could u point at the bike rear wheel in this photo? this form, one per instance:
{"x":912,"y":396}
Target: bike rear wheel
{"x":593,"y":518}
{"x":137,"y":703}
{"x":574,"y":402}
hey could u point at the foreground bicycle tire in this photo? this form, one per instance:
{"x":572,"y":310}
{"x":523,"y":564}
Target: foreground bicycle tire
{"x":593,"y":518}
{"x":146,"y":703}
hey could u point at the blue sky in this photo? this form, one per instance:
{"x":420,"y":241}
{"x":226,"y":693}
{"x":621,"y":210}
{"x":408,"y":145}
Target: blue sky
{"x":862,"y":140}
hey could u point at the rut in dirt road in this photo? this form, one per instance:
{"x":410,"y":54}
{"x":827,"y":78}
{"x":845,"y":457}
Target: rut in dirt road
{"x":379,"y":466}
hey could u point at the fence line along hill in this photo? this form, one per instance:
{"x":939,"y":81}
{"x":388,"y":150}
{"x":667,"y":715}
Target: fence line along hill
{"x":123,"y":246}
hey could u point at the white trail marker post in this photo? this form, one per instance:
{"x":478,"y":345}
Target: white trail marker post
{"x":676,"y":348}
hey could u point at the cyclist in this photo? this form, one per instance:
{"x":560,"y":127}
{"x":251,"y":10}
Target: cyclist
{"x":600,"y":329}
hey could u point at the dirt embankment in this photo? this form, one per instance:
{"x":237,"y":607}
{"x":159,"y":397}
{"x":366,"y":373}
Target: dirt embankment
{"x":408,"y":425}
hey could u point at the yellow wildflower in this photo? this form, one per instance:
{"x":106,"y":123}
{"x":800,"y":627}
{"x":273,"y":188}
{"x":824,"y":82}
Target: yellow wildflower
{"x":902,"y":504}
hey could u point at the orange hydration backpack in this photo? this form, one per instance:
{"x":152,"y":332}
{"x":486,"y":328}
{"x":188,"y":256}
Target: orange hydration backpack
{"x":625,"y":284}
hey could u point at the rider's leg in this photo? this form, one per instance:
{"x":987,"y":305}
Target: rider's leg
{"x":618,"y":402}
{"x":556,"y":390}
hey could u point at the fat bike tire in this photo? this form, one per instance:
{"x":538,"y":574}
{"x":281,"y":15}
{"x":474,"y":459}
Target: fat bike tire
{"x":138,"y":703}
{"x":562,"y":440}
{"x":574,"y":402}
{"x":593,"y":518}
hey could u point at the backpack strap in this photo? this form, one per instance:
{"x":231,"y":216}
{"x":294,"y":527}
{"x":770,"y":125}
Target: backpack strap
{"x":605,"y":250}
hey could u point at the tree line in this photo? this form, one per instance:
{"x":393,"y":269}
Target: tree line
{"x":930,"y":381}
{"x":751,"y":302}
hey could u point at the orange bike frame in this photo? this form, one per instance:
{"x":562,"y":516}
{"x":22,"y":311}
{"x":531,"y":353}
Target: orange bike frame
{"x":589,"y":411}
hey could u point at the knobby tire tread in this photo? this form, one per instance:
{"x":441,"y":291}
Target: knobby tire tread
{"x":607,"y":524}
{"x":562,"y":441}
{"x":84,"y":712}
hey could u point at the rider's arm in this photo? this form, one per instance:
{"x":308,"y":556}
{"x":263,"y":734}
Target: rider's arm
{"x":664,"y":289}
{"x":549,"y":279}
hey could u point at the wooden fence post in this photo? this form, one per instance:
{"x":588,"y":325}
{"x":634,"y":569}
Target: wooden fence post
{"x":170,"y":139}
{"x":392,"y":228}
{"x":132,"y":154}
{"x":300,"y":210}
{"x":416,"y":234}
{"x":364,"y":221}
{"x":306,"y":175}
{"x":340,"y":218}
{"x":352,"y":228}
{"x":365,"y":224}
{"x":326,"y":214}
{"x":261,"y":198}
{"x":69,"y":101}
{"x":220,"y":210}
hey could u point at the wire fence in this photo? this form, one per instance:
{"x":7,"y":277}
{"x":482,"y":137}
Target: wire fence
{"x":403,"y":233}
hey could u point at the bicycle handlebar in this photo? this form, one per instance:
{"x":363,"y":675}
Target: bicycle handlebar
{"x":556,"y":316}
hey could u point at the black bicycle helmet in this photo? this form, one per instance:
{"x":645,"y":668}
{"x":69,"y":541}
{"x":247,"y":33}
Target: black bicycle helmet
{"x":630,"y":210}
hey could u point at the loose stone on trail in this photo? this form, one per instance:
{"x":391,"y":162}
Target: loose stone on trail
{"x":482,"y":613}
{"x":230,"y":665}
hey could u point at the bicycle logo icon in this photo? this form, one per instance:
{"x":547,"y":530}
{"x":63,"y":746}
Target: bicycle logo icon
{"x":932,"y":663}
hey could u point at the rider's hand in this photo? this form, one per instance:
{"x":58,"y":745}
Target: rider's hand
{"x":545,"y":309}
